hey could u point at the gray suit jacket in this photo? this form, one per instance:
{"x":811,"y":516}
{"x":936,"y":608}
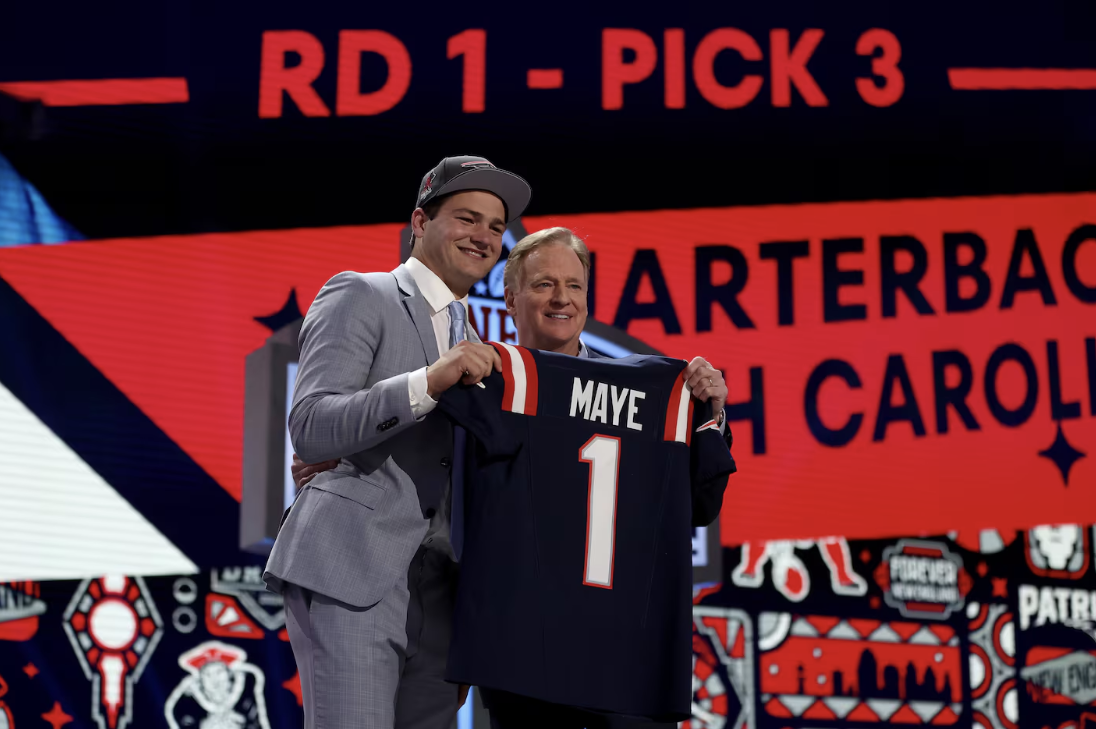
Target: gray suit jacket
{"x":353,"y":531}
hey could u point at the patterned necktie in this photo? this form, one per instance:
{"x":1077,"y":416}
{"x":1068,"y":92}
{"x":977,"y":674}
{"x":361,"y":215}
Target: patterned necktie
{"x":456,"y":478}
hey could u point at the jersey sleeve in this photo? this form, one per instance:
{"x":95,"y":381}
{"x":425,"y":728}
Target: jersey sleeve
{"x":478,"y":410}
{"x":488,"y":412}
{"x":711,"y":464}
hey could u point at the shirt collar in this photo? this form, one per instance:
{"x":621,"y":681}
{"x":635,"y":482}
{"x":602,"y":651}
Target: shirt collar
{"x":582,"y":351}
{"x":433,"y":289}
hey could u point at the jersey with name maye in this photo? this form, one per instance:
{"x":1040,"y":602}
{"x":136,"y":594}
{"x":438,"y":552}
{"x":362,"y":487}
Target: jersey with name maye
{"x":582,"y":484}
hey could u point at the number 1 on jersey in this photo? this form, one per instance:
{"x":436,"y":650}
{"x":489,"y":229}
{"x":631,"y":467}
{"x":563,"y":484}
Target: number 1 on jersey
{"x":602,"y":452}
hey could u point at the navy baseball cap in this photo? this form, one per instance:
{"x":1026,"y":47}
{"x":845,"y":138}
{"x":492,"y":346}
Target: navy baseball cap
{"x":456,"y":174}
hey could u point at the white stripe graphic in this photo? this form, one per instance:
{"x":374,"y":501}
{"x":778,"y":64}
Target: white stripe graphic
{"x":59,"y":520}
{"x":518,"y":368}
{"x":683,"y":414}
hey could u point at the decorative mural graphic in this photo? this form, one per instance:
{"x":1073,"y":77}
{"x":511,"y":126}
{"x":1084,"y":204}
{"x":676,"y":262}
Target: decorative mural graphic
{"x":221,"y":691}
{"x":1061,"y":550}
{"x":246,"y":584}
{"x":6,"y":720}
{"x":996,"y":632}
{"x":987,"y":638}
{"x":992,"y":645}
{"x":789,"y":575}
{"x":823,"y":667}
{"x":723,"y":668}
{"x":922,"y":579}
{"x":114,"y":628}
{"x":20,"y":607}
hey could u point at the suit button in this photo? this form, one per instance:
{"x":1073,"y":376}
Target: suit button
{"x":430,"y":513}
{"x":390,"y":423}
{"x":445,"y":462}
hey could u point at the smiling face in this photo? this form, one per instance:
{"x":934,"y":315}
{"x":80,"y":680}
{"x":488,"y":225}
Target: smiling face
{"x":463,"y":240}
{"x":548,"y":300}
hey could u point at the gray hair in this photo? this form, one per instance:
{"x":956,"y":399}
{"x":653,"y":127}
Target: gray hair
{"x":533,"y":241}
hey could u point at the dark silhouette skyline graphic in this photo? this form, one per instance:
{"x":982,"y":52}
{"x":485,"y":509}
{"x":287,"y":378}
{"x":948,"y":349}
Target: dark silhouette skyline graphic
{"x":893,"y":686}
{"x":897,"y":683}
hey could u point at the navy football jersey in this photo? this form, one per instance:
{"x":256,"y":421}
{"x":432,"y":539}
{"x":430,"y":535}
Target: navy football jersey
{"x":576,"y":573}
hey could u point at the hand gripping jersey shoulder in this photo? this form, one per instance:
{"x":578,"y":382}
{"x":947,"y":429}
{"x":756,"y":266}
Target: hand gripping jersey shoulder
{"x":580,"y":492}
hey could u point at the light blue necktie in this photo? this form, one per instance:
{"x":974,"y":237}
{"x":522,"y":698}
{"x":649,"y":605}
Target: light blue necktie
{"x":456,"y":323}
{"x":456,"y":479}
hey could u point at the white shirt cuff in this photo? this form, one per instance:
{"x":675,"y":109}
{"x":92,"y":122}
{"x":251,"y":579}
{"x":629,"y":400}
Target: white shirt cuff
{"x":421,"y":402}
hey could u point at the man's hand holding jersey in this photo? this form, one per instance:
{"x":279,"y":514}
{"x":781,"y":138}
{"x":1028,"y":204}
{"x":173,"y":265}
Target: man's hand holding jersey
{"x":467,"y":362}
{"x":706,"y":383}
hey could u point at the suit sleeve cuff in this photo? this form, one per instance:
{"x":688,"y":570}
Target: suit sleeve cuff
{"x":421,"y":402}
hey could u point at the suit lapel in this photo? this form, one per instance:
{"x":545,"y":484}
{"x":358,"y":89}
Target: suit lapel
{"x":417,"y":308}
{"x":470,"y":332}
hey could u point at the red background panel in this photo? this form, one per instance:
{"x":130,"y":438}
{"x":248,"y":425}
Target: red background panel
{"x":170,"y":320}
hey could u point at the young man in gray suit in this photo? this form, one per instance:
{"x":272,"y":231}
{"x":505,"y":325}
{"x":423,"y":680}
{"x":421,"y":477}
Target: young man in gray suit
{"x":369,"y":537}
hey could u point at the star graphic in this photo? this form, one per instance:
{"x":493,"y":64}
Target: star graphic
{"x":1000,"y":586}
{"x":31,"y":670}
{"x":57,"y":716}
{"x":293,"y":686}
{"x":1063,"y":454}
{"x":288,"y":314}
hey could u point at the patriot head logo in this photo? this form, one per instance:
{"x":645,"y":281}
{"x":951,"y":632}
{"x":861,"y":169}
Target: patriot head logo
{"x":220,"y":690}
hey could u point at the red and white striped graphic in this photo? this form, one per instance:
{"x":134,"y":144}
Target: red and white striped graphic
{"x":679,"y":412}
{"x":519,"y":375}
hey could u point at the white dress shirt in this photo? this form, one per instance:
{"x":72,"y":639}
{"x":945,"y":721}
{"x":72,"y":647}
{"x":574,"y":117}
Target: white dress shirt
{"x":438,"y":297}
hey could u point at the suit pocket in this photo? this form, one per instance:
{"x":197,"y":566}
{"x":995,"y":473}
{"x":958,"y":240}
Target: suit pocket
{"x":353,"y":488}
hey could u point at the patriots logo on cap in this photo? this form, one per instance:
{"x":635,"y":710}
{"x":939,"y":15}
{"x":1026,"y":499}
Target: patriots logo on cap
{"x":427,"y":184}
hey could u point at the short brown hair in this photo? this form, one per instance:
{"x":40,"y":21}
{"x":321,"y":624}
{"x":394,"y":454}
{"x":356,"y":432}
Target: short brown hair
{"x":431,"y":208}
{"x":548,"y":236}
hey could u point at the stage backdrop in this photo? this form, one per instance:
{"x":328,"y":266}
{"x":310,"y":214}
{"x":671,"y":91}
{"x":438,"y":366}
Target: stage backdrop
{"x":878,"y":219}
{"x":912,"y":385}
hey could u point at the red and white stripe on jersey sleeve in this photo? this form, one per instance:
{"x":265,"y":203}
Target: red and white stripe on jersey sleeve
{"x":679,"y":412}
{"x":519,"y":375}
